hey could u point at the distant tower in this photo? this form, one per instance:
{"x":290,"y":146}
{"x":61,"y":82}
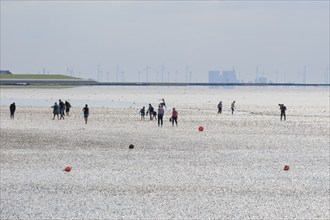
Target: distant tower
{"x":176,"y":75}
{"x":147,"y":76}
{"x":304,"y":75}
{"x":326,"y":76}
{"x":186,"y":74}
{"x":276,"y":76}
{"x":117,"y":74}
{"x":98,"y":72}
{"x":122,"y":76}
{"x":257,"y":73}
{"x":69,"y":72}
{"x":162,"y":74}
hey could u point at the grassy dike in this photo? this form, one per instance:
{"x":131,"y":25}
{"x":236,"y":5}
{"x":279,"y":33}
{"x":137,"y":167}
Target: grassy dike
{"x":35,"y":76}
{"x":42,"y":80}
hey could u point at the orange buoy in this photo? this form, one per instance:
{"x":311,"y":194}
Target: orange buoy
{"x":201,"y":128}
{"x":67,"y":169}
{"x":286,"y":168}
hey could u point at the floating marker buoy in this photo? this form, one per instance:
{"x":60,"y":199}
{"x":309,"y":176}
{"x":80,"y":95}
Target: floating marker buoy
{"x":131,"y":146}
{"x":286,"y":168}
{"x":201,"y":128}
{"x":67,"y":169}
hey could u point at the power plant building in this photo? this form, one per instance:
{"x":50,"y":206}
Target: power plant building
{"x":227,"y":76}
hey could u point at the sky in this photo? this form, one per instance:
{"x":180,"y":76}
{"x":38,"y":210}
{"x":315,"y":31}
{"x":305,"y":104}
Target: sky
{"x":162,"y":41}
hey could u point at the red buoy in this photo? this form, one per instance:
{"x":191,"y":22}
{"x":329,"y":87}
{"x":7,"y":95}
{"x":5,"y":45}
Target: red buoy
{"x":201,"y":128}
{"x":67,"y":169}
{"x":286,"y":168}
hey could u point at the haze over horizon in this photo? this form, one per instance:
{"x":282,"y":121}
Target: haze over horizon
{"x":155,"y":41}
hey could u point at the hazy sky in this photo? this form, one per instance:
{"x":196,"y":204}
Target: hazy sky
{"x":82,"y":36}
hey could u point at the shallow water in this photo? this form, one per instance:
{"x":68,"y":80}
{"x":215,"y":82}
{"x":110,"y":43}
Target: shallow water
{"x":135,"y":96}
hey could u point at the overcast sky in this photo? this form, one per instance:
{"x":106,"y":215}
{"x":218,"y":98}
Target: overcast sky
{"x":134,"y":37}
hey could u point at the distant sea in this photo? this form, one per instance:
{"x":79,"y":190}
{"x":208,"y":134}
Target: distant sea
{"x":93,"y":95}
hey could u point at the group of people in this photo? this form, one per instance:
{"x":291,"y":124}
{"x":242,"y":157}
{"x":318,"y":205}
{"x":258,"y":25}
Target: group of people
{"x":58,"y":109}
{"x":232,"y":107}
{"x":151,"y":112}
{"x":159,"y":114}
{"x":282,"y":109}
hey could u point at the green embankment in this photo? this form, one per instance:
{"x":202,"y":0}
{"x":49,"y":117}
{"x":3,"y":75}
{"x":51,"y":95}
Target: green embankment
{"x":34,"y":76}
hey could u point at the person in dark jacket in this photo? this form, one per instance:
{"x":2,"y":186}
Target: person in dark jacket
{"x":283,"y":109}
{"x":62,"y":108}
{"x":232,"y":107}
{"x":160,"y":115}
{"x":151,"y":112}
{"x":12,"y":109}
{"x":220,"y":107}
{"x":86,"y":113}
{"x":56,"y":110}
{"x":67,"y":107}
{"x":142,"y":113}
{"x":162,"y":103}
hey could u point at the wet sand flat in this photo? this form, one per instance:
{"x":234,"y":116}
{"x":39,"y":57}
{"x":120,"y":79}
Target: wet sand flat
{"x":231,"y":170}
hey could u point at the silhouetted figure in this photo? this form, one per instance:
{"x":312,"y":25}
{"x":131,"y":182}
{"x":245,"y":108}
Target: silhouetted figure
{"x":160,"y":115}
{"x":283,"y":109}
{"x":12,"y":109}
{"x":142,"y":113}
{"x":151,"y":111}
{"x":163,"y":103}
{"x":67,"y":107}
{"x":220,"y":107}
{"x":154,"y":114}
{"x":56,"y":110}
{"x":86,"y":113}
{"x":174,"y":117}
{"x":233,"y":107}
{"x":62,"y":108}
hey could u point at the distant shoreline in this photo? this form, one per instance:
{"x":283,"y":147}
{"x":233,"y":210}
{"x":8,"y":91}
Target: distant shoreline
{"x":79,"y":82}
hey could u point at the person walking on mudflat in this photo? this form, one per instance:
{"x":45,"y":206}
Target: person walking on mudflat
{"x":67,"y":107}
{"x":283,"y":109}
{"x":56,"y":110}
{"x":160,"y":115}
{"x":142,"y":113}
{"x":220,"y":107}
{"x":62,"y":108}
{"x":151,"y":112}
{"x":233,"y":107}
{"x":174,"y":117}
{"x":162,"y":103}
{"x":12,"y":109}
{"x":86,"y":113}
